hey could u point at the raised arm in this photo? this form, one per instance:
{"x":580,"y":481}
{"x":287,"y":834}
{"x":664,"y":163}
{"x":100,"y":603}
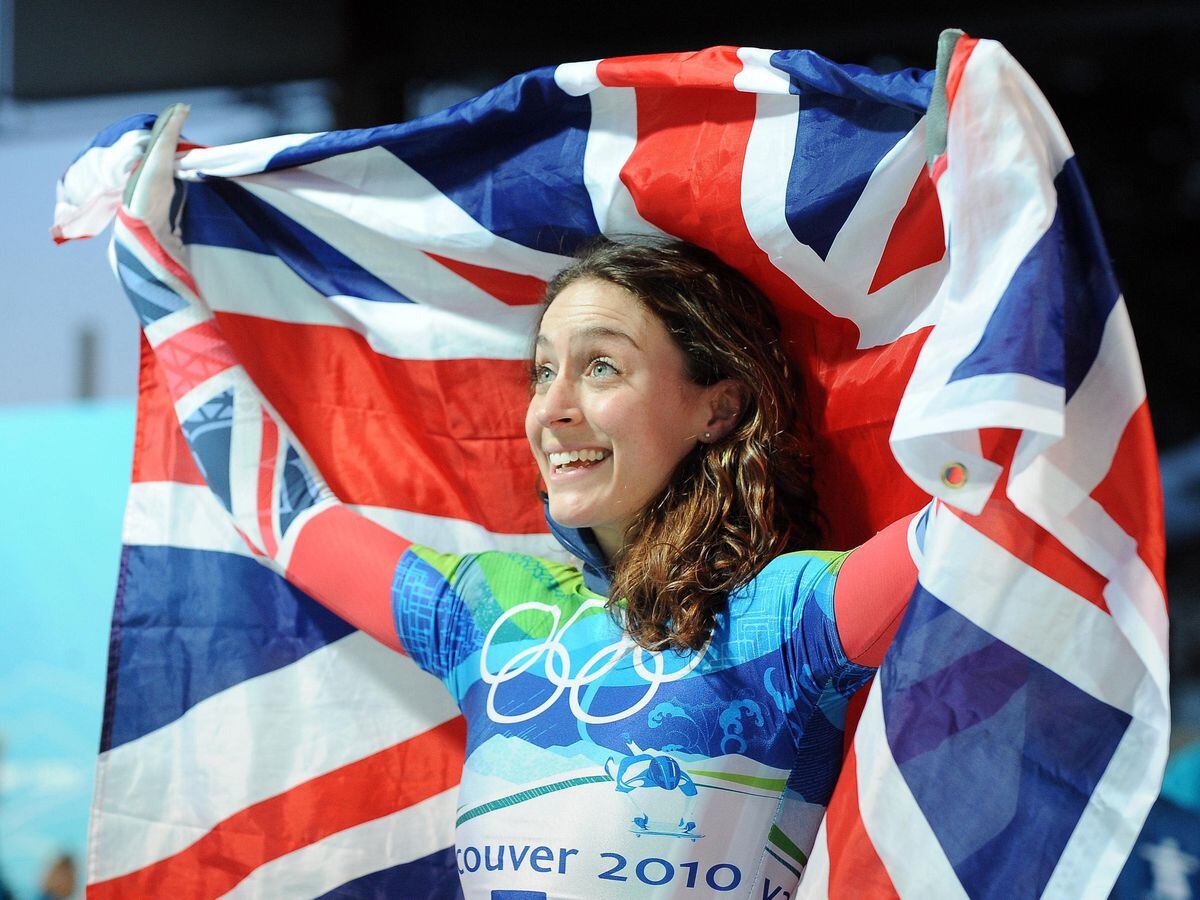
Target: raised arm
{"x":342,"y":559}
{"x":872,"y":591}
{"x":347,"y":563}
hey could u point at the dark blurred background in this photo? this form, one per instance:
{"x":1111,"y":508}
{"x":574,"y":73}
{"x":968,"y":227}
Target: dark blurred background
{"x":1121,"y":76}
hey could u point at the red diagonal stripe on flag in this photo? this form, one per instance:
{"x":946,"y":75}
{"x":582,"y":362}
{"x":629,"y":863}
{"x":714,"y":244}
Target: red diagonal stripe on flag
{"x":376,"y":786}
{"x":917,"y":238}
{"x":1132,"y":494}
{"x":142,"y":234}
{"x":855,"y":869}
{"x":507,"y":287}
{"x":1007,"y":526}
{"x":266,"y":483}
{"x":1037,"y":548}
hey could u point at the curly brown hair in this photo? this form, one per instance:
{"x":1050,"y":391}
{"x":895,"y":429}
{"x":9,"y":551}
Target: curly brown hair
{"x":732,"y":505}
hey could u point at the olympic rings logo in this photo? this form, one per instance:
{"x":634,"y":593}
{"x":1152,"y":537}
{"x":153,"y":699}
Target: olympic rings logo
{"x":556,"y":664}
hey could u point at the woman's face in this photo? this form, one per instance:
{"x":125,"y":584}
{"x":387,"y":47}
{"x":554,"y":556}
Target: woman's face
{"x":613,"y":411}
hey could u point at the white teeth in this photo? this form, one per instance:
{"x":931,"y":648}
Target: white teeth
{"x":563,"y":458}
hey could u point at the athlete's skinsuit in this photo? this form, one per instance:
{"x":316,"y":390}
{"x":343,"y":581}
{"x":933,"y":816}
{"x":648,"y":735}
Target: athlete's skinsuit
{"x":597,"y":769}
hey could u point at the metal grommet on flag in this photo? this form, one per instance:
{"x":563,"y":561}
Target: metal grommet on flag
{"x":954,"y":475}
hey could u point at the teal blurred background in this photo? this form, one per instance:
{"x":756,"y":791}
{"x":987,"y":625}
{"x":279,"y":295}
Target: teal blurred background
{"x":68,"y":376}
{"x":64,"y":475}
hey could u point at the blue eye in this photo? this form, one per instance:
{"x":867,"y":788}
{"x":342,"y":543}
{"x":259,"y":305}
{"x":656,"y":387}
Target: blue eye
{"x":541,"y":375}
{"x":602,"y":368}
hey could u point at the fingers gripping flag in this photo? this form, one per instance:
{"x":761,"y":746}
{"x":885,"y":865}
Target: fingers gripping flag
{"x":338,"y":322}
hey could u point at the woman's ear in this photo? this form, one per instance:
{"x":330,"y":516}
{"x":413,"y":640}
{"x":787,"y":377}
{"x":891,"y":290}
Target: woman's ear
{"x":727,"y":401}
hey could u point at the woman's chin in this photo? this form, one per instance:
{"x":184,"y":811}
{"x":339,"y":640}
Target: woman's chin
{"x":568,"y":514}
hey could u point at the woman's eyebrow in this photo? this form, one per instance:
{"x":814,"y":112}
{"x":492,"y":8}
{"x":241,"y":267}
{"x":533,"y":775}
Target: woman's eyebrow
{"x":602,"y":331}
{"x":591,"y":333}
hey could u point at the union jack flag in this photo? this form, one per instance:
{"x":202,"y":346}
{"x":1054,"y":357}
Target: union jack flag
{"x":339,"y":321}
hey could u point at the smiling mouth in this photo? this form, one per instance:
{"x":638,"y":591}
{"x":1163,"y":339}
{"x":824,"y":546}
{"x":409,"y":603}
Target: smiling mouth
{"x":576,"y":459}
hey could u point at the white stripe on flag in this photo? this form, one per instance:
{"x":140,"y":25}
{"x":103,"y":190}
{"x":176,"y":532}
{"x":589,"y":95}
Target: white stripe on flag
{"x":253,"y":284}
{"x":90,"y":190}
{"x":814,"y":880}
{"x":758,"y":76}
{"x":245,"y":461}
{"x":340,"y":703}
{"x":189,"y":516}
{"x":130,"y":242}
{"x":378,"y":190}
{"x":161,"y":330}
{"x":234,"y":378}
{"x":407,"y":269}
{"x":237,"y":159}
{"x":462,"y":536}
{"x":859,"y":243}
{"x":982,"y":400}
{"x":612,"y":136}
{"x":1030,"y":612}
{"x":910,"y":851}
{"x":1087,"y":530}
{"x":1004,"y":149}
{"x":318,"y":868}
{"x":1101,"y":842}
{"x":1108,"y":396}
{"x":578,"y":78}
{"x":841,"y":281}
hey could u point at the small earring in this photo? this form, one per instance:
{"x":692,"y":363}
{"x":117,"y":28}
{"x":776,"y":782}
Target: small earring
{"x":707,"y":435}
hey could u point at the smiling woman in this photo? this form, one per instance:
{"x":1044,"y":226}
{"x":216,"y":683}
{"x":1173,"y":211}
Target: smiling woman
{"x":699,"y":723}
{"x":669,"y":364}
{"x":705,"y":711}
{"x":613,"y":412}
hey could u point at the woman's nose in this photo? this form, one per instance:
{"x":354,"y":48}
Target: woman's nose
{"x":559,"y":405}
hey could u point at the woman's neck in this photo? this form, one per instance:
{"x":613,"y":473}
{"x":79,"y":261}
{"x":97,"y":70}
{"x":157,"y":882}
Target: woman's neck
{"x":611,"y":539}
